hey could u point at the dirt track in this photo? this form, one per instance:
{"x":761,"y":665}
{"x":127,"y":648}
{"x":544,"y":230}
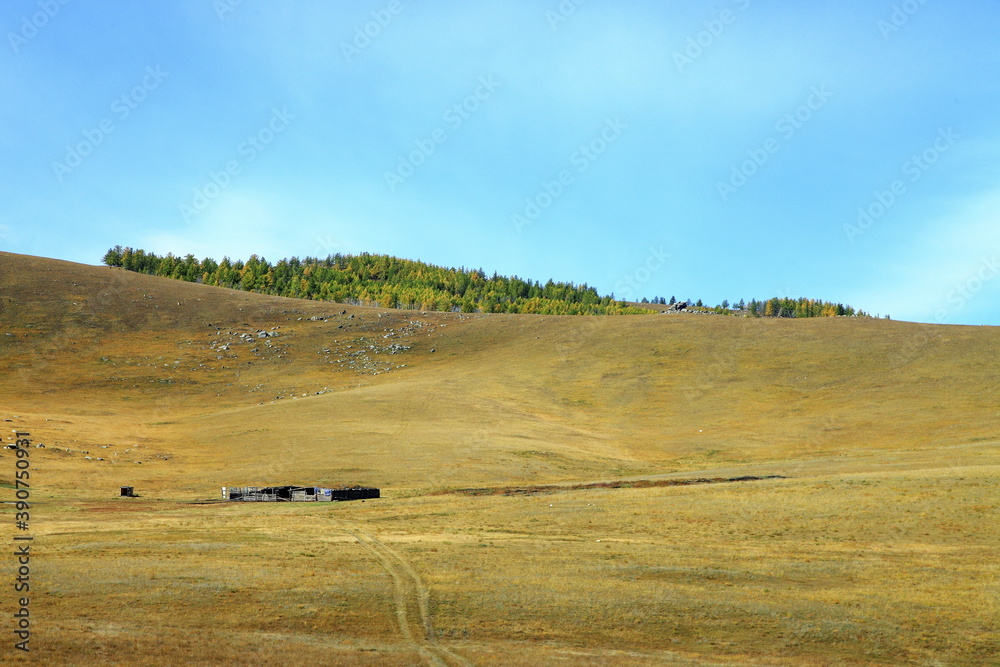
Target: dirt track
{"x":412,"y":601}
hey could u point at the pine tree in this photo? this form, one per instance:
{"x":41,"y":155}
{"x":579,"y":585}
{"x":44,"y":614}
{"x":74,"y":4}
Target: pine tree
{"x":114,"y":256}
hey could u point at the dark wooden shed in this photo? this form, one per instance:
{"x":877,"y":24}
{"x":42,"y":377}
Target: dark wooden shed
{"x":289,"y":493}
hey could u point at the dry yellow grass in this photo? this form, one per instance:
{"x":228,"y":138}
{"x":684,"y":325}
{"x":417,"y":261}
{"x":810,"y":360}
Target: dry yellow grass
{"x":879,"y":547}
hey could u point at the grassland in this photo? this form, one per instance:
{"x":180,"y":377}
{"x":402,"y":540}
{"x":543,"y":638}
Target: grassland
{"x":878,"y":546}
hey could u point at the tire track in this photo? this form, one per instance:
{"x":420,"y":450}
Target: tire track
{"x":412,"y":601}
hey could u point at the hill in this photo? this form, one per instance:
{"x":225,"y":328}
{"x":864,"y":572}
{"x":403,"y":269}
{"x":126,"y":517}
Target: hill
{"x":640,"y":391}
{"x":886,"y":433}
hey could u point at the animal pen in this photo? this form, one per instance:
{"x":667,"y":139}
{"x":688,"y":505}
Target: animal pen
{"x":279,"y":494}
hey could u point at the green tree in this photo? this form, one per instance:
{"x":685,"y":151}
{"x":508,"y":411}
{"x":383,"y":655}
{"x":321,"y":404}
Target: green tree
{"x":114,"y":256}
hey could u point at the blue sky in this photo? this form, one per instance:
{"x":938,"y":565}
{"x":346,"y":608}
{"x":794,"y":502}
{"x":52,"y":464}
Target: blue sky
{"x":718,"y":150}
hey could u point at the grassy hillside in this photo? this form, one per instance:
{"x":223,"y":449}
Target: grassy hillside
{"x":878,"y":547}
{"x":636,"y":394}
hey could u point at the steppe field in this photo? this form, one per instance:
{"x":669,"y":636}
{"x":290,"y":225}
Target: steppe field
{"x":635,"y":490}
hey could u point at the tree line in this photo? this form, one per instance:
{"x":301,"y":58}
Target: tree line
{"x":390,"y":282}
{"x":775,"y":307}
{"x":378,"y":280}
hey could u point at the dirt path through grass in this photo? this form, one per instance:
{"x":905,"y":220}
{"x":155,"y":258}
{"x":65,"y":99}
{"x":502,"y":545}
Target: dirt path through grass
{"x":412,"y":601}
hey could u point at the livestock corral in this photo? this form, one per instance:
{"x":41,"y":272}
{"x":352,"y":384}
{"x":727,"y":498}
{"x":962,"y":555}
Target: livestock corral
{"x":289,"y":493}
